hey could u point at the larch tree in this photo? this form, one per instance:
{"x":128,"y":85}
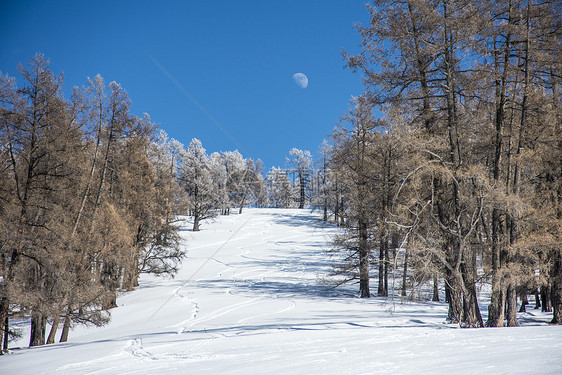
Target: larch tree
{"x":41,"y":139}
{"x":352,"y":158}
{"x":162,"y":253}
{"x":220,"y":177}
{"x":84,"y":204}
{"x":466,"y":77}
{"x":234,"y":166}
{"x":252,"y":183}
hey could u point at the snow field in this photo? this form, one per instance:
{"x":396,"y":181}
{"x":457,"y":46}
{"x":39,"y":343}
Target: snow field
{"x":247,"y":301}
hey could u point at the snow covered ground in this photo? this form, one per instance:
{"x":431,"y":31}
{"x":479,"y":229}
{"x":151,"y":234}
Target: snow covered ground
{"x":247,"y":301}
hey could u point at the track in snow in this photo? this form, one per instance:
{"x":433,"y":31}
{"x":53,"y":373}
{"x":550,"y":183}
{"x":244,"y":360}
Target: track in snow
{"x":247,"y":301}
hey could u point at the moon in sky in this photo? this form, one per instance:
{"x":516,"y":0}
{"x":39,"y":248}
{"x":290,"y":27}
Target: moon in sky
{"x":301,"y":80}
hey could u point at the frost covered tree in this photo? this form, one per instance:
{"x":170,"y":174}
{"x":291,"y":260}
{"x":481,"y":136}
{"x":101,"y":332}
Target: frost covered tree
{"x":196,"y":179}
{"x":235,"y":168}
{"x":261,"y":198}
{"x":324,"y":197}
{"x":242,"y":180}
{"x":301,"y":161}
{"x":279,"y":188}
{"x":159,"y":252}
{"x":219,"y":176}
{"x":252,"y":183}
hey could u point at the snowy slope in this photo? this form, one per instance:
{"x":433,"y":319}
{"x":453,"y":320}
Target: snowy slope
{"x":247,"y":301}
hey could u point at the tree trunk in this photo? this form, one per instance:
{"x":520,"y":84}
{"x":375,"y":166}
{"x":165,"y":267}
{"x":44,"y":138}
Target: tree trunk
{"x":386,"y":266}
{"x":342,"y":213}
{"x":302,"y":190}
{"x":537,"y":299}
{"x":4,"y":306}
{"x":38,"y":326}
{"x":421,"y":67}
{"x":337,"y":203}
{"x":511,"y":300}
{"x":131,"y":278}
{"x":90,"y":177}
{"x":454,"y":146}
{"x":66,"y":326}
{"x":53,"y":332}
{"x":380,"y":290}
{"x":363,"y":260}
{"x":102,"y":180}
{"x":242,"y":202}
{"x":455,"y":313}
{"x":556,"y":289}
{"x":405,"y":273}
{"x":524,"y":299}
{"x":471,"y":310}
{"x":435,"y":289}
{"x":4,"y":301}
{"x":496,"y":307}
{"x":545,"y":298}
{"x":196,"y":223}
{"x":5,"y":341}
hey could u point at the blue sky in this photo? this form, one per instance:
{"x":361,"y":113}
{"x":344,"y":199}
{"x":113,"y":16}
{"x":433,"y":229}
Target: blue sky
{"x":236,"y":58}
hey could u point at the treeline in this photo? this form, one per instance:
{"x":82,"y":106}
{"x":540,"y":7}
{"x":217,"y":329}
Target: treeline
{"x":91,"y":196}
{"x":461,"y":180}
{"x":88,"y":198}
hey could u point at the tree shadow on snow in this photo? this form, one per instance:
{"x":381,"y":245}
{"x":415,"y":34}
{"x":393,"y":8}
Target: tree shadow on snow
{"x":304,"y":218}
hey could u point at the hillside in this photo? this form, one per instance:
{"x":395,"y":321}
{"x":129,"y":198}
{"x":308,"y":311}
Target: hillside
{"x":247,"y":301}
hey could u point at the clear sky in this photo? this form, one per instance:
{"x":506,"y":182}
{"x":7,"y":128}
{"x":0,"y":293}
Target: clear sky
{"x":236,"y":58}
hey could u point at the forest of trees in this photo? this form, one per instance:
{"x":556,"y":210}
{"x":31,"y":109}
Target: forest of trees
{"x":91,"y":196}
{"x":88,"y":199}
{"x":445,"y":172}
{"x":460,"y":180}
